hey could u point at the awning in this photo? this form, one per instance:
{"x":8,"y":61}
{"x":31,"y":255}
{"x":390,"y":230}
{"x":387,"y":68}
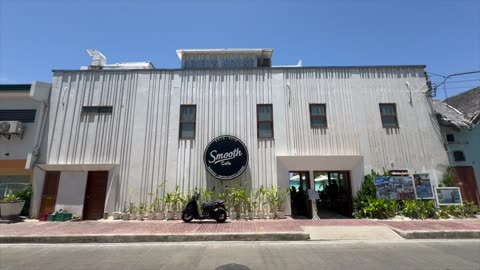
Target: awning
{"x":14,"y":167}
{"x":76,"y":167}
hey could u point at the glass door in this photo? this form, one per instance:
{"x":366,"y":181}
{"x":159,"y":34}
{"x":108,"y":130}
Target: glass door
{"x":299,"y":184}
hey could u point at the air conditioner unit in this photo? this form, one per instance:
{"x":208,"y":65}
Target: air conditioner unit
{"x":8,"y":128}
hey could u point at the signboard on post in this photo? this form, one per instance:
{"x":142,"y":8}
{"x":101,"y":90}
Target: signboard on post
{"x":423,"y":186}
{"x":394,"y":187}
{"x":448,"y":196}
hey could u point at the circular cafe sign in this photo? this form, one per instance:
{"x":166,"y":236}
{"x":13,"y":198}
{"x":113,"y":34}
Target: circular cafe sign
{"x":226,"y":157}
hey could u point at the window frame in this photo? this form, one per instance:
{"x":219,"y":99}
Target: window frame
{"x":265,"y":121}
{"x":180,"y":121}
{"x":459,"y":152}
{"x":312,"y":116}
{"x":397,"y":125}
{"x":97,"y":109}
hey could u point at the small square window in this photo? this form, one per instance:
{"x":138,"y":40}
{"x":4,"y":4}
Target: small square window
{"x":97,"y":109}
{"x":458,"y":156}
{"x":318,"y":115}
{"x":388,"y":112}
{"x":265,"y":121}
{"x":188,"y":114}
{"x":450,"y":138}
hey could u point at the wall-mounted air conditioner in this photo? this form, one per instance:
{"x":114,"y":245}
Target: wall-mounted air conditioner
{"x":7,"y":128}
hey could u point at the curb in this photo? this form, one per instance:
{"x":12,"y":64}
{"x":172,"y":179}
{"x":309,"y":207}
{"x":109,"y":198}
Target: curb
{"x":56,"y":239}
{"x":457,"y":234}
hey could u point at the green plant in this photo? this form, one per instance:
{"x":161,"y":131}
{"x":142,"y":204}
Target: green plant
{"x":469,"y":209}
{"x":448,"y":211}
{"x":25,"y":195}
{"x":378,"y":208}
{"x":282,"y":198}
{"x":273,"y":199}
{"x":366,"y":193}
{"x":10,"y":197}
{"x":448,"y":177}
{"x":419,"y":209}
{"x":132,"y":209}
{"x":142,"y":208}
{"x":261,"y":194}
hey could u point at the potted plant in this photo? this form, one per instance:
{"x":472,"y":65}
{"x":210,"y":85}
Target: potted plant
{"x":11,"y":205}
{"x":133,"y":211}
{"x":261,"y":194}
{"x":169,"y":203}
{"x":251,"y":204}
{"x":151,"y":210}
{"x":142,"y":210}
{"x":125,"y":214}
{"x":282,"y":199}
{"x":272,"y":198}
{"x":160,"y":212}
{"x":116,"y":215}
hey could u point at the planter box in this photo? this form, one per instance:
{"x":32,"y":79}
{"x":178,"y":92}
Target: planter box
{"x":11,"y":209}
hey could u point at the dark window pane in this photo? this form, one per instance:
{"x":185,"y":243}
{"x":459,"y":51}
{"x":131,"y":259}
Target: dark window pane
{"x":389,"y":121}
{"x":317,"y":109}
{"x":265,"y":130}
{"x":264,"y":113}
{"x":318,"y":121}
{"x":459,"y":156}
{"x":187,"y":130}
{"x":388,"y":109}
{"x":450,"y":138}
{"x":188,"y":113}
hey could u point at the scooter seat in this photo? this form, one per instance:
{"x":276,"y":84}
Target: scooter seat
{"x":210,"y":204}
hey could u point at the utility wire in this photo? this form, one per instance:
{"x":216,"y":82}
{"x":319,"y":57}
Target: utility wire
{"x":448,"y":77}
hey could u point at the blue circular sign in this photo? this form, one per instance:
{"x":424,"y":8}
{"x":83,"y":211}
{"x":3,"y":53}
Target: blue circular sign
{"x":226,"y":157}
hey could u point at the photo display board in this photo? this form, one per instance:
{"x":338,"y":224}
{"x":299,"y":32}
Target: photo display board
{"x":394,"y":187}
{"x":423,"y":186}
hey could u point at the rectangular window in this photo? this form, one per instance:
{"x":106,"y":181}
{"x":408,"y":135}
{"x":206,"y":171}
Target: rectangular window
{"x":388,"y":111}
{"x":265,"y":121}
{"x":97,"y":109}
{"x":450,"y":138}
{"x":318,"y":115}
{"x":24,"y":116}
{"x":188,"y":115}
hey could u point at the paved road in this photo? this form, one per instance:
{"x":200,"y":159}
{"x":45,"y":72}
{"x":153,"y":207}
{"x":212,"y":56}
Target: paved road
{"x":451,"y":254}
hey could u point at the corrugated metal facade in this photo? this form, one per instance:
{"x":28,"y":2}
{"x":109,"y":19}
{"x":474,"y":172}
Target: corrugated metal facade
{"x":141,"y":135}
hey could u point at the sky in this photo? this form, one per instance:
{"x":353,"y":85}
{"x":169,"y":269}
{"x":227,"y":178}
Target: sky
{"x":39,"y":36}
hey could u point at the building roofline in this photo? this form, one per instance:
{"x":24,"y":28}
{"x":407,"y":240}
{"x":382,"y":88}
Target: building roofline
{"x":181,"y":52}
{"x":180,"y":69}
{"x":15,"y":87}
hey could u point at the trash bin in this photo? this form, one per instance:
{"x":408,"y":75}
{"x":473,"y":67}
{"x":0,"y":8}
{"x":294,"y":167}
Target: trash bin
{"x":51,"y":217}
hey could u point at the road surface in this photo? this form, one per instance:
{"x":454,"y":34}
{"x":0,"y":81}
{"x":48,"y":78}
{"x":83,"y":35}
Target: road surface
{"x":427,"y":254}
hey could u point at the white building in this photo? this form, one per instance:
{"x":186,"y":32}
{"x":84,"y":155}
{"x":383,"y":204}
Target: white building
{"x":304,"y":124}
{"x":22,"y":119}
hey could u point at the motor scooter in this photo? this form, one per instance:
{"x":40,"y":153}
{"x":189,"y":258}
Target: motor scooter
{"x":212,"y":210}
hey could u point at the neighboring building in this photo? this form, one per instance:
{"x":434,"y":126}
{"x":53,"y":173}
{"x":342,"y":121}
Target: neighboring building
{"x":22,"y":120}
{"x":116,"y":134}
{"x":459,"y":117}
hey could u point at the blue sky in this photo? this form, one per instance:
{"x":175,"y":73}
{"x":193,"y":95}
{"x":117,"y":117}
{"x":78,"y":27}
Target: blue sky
{"x":38,"y":36}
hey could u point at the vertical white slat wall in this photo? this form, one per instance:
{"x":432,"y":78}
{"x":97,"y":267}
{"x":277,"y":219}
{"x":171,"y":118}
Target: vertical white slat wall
{"x":141,"y":135}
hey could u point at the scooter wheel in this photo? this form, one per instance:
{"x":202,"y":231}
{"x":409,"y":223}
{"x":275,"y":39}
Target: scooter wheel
{"x":187,"y":216}
{"x":221,"y":215}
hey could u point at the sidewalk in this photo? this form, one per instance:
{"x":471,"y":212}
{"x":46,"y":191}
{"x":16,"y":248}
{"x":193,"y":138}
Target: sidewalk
{"x":257,"y":230}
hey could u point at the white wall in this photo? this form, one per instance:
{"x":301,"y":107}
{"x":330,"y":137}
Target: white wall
{"x":37,"y":190}
{"x":22,"y":148}
{"x":71,"y":192}
{"x":141,"y":135}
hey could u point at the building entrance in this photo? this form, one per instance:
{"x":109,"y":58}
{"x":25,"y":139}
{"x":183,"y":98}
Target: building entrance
{"x":335,"y":193}
{"x":299,"y":184}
